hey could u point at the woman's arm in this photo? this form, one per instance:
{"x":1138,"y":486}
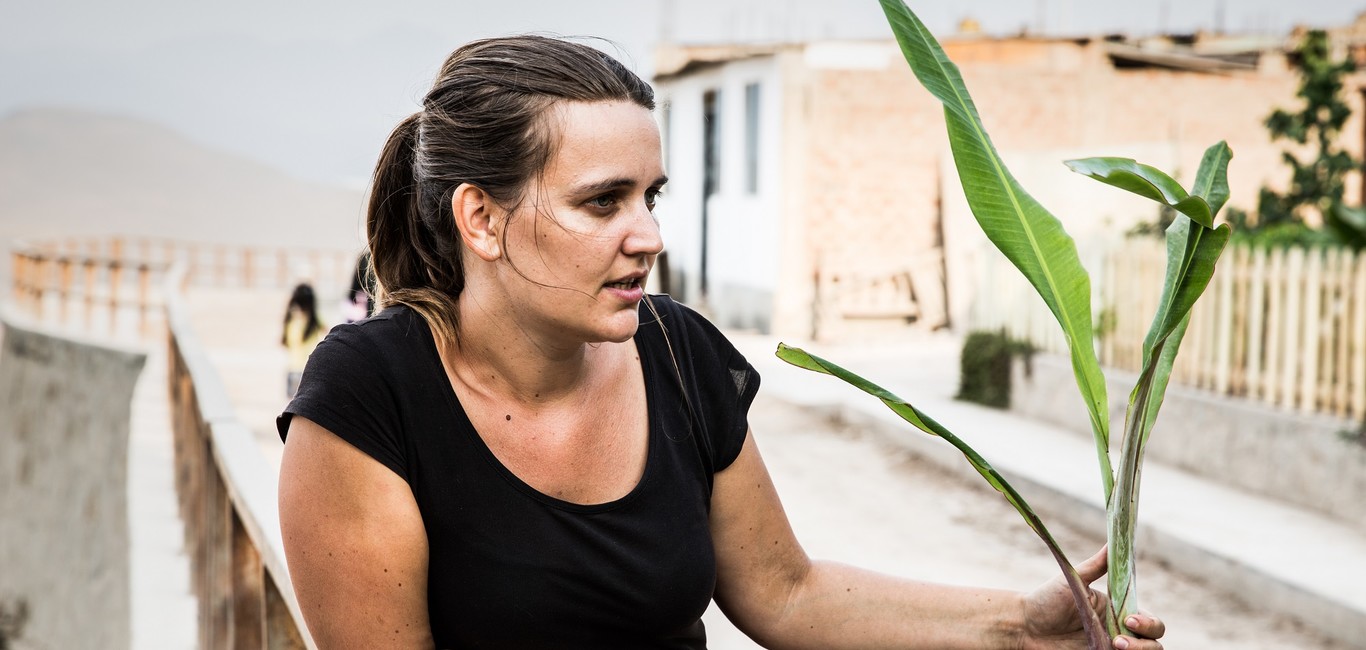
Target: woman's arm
{"x":355,"y":543}
{"x":773,"y":592}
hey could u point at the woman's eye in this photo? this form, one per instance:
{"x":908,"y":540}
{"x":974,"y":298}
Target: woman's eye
{"x":652,"y":196}
{"x":605,"y":201}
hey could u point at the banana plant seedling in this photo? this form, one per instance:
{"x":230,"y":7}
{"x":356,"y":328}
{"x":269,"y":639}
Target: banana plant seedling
{"x":1036,"y":243}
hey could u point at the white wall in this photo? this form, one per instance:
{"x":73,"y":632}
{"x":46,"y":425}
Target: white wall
{"x":743,"y":228}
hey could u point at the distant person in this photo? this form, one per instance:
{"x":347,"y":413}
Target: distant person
{"x":360,"y":299}
{"x":303,"y":331}
{"x":523,"y":449}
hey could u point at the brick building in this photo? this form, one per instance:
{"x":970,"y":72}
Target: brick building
{"x":813,"y":192}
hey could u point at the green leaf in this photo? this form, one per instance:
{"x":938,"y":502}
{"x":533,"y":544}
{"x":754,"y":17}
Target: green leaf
{"x":1192,"y":252}
{"x":1090,"y":621}
{"x":1211,"y":180}
{"x":1031,"y":238}
{"x":1146,"y":181}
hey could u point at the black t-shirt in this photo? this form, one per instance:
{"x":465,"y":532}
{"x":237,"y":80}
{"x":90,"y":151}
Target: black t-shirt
{"x":511,"y":567}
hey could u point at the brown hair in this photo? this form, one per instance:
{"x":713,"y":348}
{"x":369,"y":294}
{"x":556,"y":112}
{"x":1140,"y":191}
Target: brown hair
{"x":483,"y":123}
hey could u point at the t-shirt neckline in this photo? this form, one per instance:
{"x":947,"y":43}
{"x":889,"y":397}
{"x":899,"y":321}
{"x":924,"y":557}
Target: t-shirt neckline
{"x":466,"y":427}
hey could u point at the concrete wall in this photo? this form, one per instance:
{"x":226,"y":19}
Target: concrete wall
{"x":1293,"y":457}
{"x":64,"y":548}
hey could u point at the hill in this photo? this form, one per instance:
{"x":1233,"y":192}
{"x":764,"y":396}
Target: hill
{"x":66,"y":172}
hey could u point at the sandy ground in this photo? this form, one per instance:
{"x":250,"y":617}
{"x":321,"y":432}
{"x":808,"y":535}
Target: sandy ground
{"x":850,"y":498}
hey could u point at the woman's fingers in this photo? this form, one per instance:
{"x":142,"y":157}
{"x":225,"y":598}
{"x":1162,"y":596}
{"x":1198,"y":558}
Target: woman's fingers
{"x":1130,"y":643}
{"x":1146,"y":626}
{"x":1092,"y":568}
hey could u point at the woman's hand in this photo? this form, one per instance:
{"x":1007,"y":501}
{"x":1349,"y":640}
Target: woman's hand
{"x":1051,"y":619}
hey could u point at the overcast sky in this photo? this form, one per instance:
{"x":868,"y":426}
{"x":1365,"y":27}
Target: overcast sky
{"x":313,"y":86}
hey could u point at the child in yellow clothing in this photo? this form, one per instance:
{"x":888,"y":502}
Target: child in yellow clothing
{"x":303,"y":332}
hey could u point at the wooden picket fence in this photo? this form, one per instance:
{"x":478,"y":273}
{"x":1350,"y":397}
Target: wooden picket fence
{"x":1283,"y":326}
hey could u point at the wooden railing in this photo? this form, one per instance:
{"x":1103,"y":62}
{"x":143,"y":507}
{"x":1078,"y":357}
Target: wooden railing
{"x":214,"y":264}
{"x":1284,"y":326}
{"x":79,"y":289}
{"x":226,"y":489}
{"x":228,"y":505}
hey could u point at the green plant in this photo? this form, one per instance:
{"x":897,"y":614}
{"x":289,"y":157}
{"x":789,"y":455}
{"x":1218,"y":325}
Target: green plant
{"x":1035,"y":242}
{"x":1316,"y":184}
{"x":984,"y":367}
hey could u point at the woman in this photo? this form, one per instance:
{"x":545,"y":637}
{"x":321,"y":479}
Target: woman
{"x":522,"y":450}
{"x":302,"y":332}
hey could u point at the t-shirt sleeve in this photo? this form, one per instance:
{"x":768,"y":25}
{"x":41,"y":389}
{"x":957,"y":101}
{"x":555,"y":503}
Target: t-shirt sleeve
{"x":727,"y":384}
{"x":347,"y":389}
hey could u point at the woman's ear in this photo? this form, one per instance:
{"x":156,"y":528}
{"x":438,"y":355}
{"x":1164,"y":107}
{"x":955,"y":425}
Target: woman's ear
{"x":475,"y":218}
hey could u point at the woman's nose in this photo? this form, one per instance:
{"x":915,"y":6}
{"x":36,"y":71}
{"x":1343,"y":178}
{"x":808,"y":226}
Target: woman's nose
{"x":644,"y":237}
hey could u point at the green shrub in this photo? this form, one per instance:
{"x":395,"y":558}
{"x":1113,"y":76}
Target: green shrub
{"x":984,"y":367}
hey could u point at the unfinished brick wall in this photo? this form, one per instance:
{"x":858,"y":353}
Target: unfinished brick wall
{"x":874,"y":139}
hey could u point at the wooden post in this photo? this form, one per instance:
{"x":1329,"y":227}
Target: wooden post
{"x":1294,"y":310}
{"x":220,"y":566}
{"x":115,"y":279}
{"x":1358,"y":330}
{"x":144,"y":298}
{"x":281,"y":631}
{"x":40,"y":287}
{"x":1334,"y":385}
{"x":88,"y":268}
{"x":63,"y":288}
{"x":1223,"y":331}
{"x":1311,"y":338}
{"x":248,"y":590}
{"x":1276,"y":316}
{"x":1237,"y":267}
{"x":1256,"y":339}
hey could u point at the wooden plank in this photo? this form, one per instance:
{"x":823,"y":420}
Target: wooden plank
{"x":1223,"y":337}
{"x":248,"y":591}
{"x":281,"y":631}
{"x":1276,"y":315}
{"x":1256,"y":325}
{"x":1338,"y":379}
{"x":1358,"y":330}
{"x":1310,"y":333}
{"x":1294,"y":314}
{"x":1241,"y":310}
{"x":220,"y":565}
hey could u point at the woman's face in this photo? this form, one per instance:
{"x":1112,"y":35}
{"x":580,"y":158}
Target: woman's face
{"x":584,"y":238}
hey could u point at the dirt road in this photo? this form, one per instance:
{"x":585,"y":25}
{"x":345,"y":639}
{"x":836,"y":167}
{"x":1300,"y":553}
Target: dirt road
{"x":859,"y":500}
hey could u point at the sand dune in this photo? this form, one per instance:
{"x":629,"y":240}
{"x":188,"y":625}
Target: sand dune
{"x":67,"y":172}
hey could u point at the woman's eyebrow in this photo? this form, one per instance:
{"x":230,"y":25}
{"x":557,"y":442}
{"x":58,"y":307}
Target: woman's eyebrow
{"x":610,"y":184}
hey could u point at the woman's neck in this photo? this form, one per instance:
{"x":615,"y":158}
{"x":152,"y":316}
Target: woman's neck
{"x":497,"y":357}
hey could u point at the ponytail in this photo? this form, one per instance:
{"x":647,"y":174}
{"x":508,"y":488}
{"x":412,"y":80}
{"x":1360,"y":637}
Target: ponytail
{"x":413,"y":253}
